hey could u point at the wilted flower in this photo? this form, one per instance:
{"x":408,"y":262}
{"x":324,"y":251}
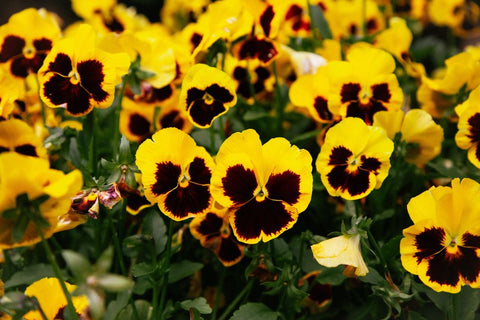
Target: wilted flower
{"x":344,"y":249}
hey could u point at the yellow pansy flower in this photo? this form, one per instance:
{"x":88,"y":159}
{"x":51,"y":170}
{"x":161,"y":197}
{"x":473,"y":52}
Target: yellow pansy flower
{"x":468,"y":135}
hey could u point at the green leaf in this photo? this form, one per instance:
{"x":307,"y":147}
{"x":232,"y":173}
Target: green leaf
{"x":116,"y":306}
{"x":114,"y":282}
{"x":77,"y":263}
{"x":104,"y":262}
{"x":392,"y":248}
{"x":20,"y":226}
{"x":199,"y":304}
{"x":29,"y":275}
{"x":319,"y":21}
{"x":144,"y":74}
{"x":125,"y":155}
{"x":333,"y":276}
{"x":134,"y":84}
{"x":254,"y":311}
{"x":143,"y":269}
{"x":183,"y":269}
{"x":460,"y":305}
{"x":142,"y":307}
{"x":372,"y":277}
{"x":252,"y":115}
{"x":155,"y":226}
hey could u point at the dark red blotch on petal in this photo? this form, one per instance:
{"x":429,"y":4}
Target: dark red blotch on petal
{"x":172,"y":119}
{"x":192,"y":199}
{"x":199,"y":172}
{"x":266,"y":20}
{"x":229,"y":251}
{"x":284,"y":186}
{"x":139,"y":125}
{"x":91,"y":78}
{"x":474,"y":122}
{"x":166,"y":177}
{"x":254,"y":48}
{"x":202,"y":111}
{"x":254,"y":217}
{"x":60,"y":91}
{"x":321,"y":107}
{"x":210,"y":226}
{"x":239,"y":184}
{"x":27,"y":149}
{"x":12,"y":46}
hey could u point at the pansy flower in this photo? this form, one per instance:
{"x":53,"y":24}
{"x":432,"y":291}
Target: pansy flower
{"x":312,"y":92}
{"x":175,"y":173}
{"x":51,"y":299}
{"x":446,"y":12}
{"x":364,"y":84}
{"x":354,"y":159}
{"x":461,"y":69}
{"x":206,"y":94}
{"x":423,"y":136}
{"x":40,"y":181}
{"x":214,"y":232}
{"x":26,"y":40}
{"x":411,"y":8}
{"x":77,"y":76}
{"x":344,"y":249}
{"x":442,"y":245}
{"x":265,"y":186}
{"x":252,"y":78}
{"x":10,"y":91}
{"x":18,"y":136}
{"x":468,"y":134}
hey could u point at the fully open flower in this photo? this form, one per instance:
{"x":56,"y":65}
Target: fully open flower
{"x":423,"y":136}
{"x":175,"y":173}
{"x":266,"y":186}
{"x":364,"y":84}
{"x":468,"y":135}
{"x":26,"y":40}
{"x":207,"y":93}
{"x":40,"y":181}
{"x":442,"y":245}
{"x":354,"y":159}
{"x":77,"y":76}
{"x":214,"y":232}
{"x":52,"y":300}
{"x":344,"y":249}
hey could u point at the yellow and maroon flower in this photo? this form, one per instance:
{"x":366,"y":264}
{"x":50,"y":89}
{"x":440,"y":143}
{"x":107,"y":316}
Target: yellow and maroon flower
{"x":175,"y":173}
{"x":18,"y":136}
{"x":448,"y":13}
{"x":77,"y":76}
{"x":214,"y":232}
{"x":468,"y":135}
{"x":319,"y":295}
{"x":41,"y":181}
{"x":266,"y":187}
{"x":442,"y":245}
{"x":312,"y":92}
{"x":51,"y":298}
{"x":354,"y":159}
{"x":364,"y":84}
{"x":26,"y":40}
{"x":206,"y":94}
{"x":423,"y":136}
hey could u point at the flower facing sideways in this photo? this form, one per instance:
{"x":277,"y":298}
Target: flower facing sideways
{"x":175,"y":173}
{"x":442,"y":245}
{"x":468,"y":135}
{"x":344,"y":249}
{"x":355,"y":159}
{"x":265,"y":186}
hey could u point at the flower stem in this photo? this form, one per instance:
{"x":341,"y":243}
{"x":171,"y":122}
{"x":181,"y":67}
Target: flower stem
{"x":118,"y":108}
{"x":377,"y":250}
{"x":219,"y":293}
{"x":278,"y":100}
{"x":72,"y":314}
{"x":245,"y":292}
{"x":166,"y":267}
{"x":92,"y":146}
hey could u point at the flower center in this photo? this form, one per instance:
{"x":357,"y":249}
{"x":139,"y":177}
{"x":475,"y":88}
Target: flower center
{"x":28,"y":52}
{"x":74,"y":77}
{"x":183,"y":180}
{"x":208,"y":98}
{"x":260,"y":194}
{"x":364,"y":97}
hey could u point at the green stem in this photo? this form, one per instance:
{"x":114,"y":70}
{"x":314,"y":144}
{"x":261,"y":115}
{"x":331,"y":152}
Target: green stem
{"x":377,"y":250}
{"x":92,"y":146}
{"x":166,"y":267}
{"x":278,"y":101}
{"x":117,"y":110}
{"x":118,"y":249}
{"x":245,"y":292}
{"x":219,"y":292}
{"x":452,"y":315}
{"x":56,"y":269}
